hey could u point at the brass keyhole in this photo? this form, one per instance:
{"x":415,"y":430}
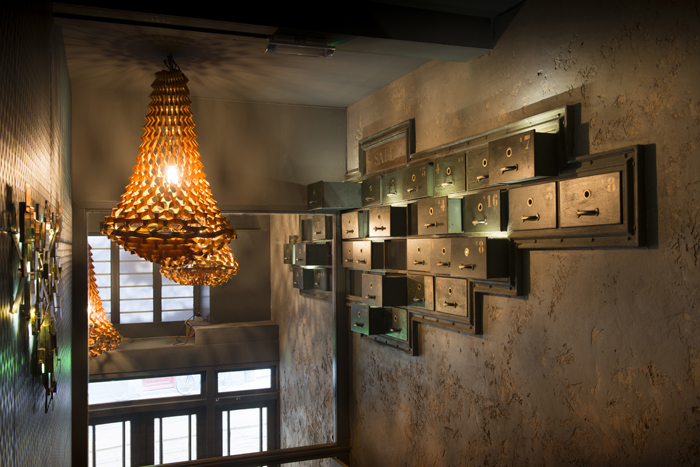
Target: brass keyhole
{"x":371,"y":285}
{"x":418,"y":249}
{"x":392,"y":182}
{"x":379,"y":216}
{"x":448,"y":171}
{"x":349,"y":221}
{"x":466,"y":252}
{"x":587,"y":194}
{"x":444,"y":251}
{"x":449,"y":291}
{"x":484,"y":162}
{"x":529,"y":201}
{"x":350,"y":250}
{"x":419,"y":286}
{"x":413,"y":177}
{"x":430,"y":211}
{"x":359,"y":314}
{"x":370,"y":188}
{"x":480,"y":207}
{"x":313,"y":192}
{"x":396,"y":318}
{"x":509,"y":152}
{"x":360,"y":250}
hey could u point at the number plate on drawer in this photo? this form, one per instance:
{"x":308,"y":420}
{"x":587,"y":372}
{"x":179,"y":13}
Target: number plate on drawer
{"x":451,"y":296}
{"x":591,"y":200}
{"x":450,"y":176}
{"x":486,"y":211}
{"x":533,"y":207}
{"x":521,"y":157}
{"x":420,"y":291}
{"x":478,"y":168}
{"x":372,"y":191}
{"x":368,"y":320}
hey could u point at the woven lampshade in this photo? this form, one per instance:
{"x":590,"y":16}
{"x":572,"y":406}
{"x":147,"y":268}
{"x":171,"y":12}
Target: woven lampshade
{"x":167,"y":211}
{"x":102,"y":336}
{"x":213,"y":269}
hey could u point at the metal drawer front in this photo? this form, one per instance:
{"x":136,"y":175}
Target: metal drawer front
{"x":322,"y":228}
{"x":533,"y":207}
{"x":525,"y":156}
{"x":314,"y":198}
{"x":441,"y":256}
{"x":367,"y":255}
{"x":353,"y":224}
{"x":392,"y":188}
{"x":594,"y":200}
{"x":451,"y":296}
{"x":450,"y":176}
{"x":480,"y":257}
{"x":418,"y":181}
{"x":322,"y":279}
{"x":418,"y":254}
{"x":312,"y":254}
{"x":302,"y":279}
{"x":486,"y":211}
{"x":368,"y":320}
{"x":372,"y":192}
{"x":398,"y":324}
{"x":387,"y":221}
{"x":383,"y":290}
{"x":334,"y":195}
{"x":478,"y":168}
{"x":288,"y":253}
{"x":439,"y":216}
{"x":421,"y":291}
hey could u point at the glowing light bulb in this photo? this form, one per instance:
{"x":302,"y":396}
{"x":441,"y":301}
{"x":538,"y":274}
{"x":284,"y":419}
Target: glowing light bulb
{"x":173,"y":175}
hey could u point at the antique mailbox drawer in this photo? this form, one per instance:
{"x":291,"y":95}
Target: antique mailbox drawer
{"x":418,"y":181}
{"x":451,"y":296}
{"x":392,"y":188}
{"x":312,"y":254}
{"x":334,"y":195}
{"x":418,"y":254}
{"x":383,"y":290}
{"x":322,"y":228}
{"x":441,"y":256}
{"x":395,"y":254}
{"x":354,"y":224}
{"x":368,"y":320}
{"x":303,"y":279}
{"x":450,"y":176}
{"x":486,"y":211}
{"x":480,"y":257}
{"x":525,"y":156}
{"x":387,"y":221}
{"x":533,"y":207}
{"x":439,"y":216}
{"x":367,"y":255}
{"x":398,"y":324}
{"x":478,"y":168}
{"x":372,"y":191}
{"x":347,"y":254}
{"x":593,"y":200}
{"x":288,"y":253}
{"x":322,"y":279}
{"x":420,"y":291}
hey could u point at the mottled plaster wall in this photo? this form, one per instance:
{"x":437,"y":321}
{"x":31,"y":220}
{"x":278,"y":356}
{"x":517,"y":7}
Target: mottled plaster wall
{"x":600,"y":363}
{"x":306,"y":351}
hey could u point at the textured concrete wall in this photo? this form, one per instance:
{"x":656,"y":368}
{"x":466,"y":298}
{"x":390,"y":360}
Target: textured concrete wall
{"x":600,"y":363}
{"x":306,"y":351}
{"x":34,"y":149}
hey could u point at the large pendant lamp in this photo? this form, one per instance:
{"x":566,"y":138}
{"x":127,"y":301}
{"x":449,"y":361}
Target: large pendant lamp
{"x":102,"y":336}
{"x":167,"y":211}
{"x":214,"y":269}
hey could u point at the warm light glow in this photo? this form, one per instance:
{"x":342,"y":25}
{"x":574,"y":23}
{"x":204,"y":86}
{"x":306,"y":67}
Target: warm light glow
{"x":101,"y":333}
{"x":211,"y":270}
{"x":173,"y":176}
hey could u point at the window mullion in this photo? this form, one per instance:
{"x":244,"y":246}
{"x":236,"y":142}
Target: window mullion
{"x":157,"y":294}
{"x":114,"y":268}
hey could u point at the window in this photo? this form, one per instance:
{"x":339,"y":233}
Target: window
{"x":132,"y":289}
{"x":109,"y":444}
{"x":146,"y":388}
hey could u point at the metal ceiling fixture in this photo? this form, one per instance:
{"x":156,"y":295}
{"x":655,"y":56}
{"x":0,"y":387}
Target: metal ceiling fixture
{"x":211,"y":270}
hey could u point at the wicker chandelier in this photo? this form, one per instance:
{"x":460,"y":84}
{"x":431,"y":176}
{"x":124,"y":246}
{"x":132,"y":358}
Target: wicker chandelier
{"x":102,"y":335}
{"x":167,"y":211}
{"x":213,"y":269}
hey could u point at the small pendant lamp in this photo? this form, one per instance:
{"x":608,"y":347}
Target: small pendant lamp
{"x":167,"y":211}
{"x":213,"y":269}
{"x":102,"y":336}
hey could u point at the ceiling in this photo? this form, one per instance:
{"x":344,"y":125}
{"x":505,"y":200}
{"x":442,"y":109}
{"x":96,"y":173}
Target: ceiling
{"x":121,"y":49}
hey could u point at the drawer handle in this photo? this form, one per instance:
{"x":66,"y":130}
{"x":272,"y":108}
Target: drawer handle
{"x":440,"y":264}
{"x":317,"y":283}
{"x":392,"y":194}
{"x":394,"y":330}
{"x":479,"y":221}
{"x":359,"y":325}
{"x":359,"y":261}
{"x":411,"y":190}
{"x":418,"y":262}
{"x":467,"y":266}
{"x":379,"y":228}
{"x":300,"y":259}
{"x":416,"y":299}
{"x":285,"y":258}
{"x":296,"y":283}
{"x":371,"y":297}
{"x":447,"y":183}
{"x":481,"y":177}
{"x":531,"y":218}
{"x":319,"y":232}
{"x":508,"y":168}
{"x":348,"y":261}
{"x":371,"y":198}
{"x":594,"y":212}
{"x":347,"y":231}
{"x":313,"y":202}
{"x":434,"y":224}
{"x":452,"y":304}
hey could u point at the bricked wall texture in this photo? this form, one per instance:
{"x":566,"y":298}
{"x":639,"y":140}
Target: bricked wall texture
{"x":34,"y":149}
